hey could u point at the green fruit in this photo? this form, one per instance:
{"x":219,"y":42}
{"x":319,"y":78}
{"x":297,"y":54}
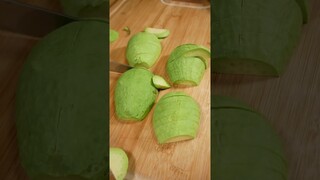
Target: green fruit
{"x":160,"y":33}
{"x":250,"y":37}
{"x":61,"y":112}
{"x":143,"y":50}
{"x":135,"y":94}
{"x":114,"y":35}
{"x":176,"y":118}
{"x":118,"y":163}
{"x":186,"y":71}
{"x":244,"y":145}
{"x":160,"y":83}
{"x":191,"y":50}
{"x":187,"y":63}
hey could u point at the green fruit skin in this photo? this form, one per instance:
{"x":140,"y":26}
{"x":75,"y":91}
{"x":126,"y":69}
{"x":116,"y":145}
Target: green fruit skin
{"x":176,"y":114}
{"x":135,"y":94}
{"x":244,"y":145}
{"x":61,"y":105}
{"x":186,"y":69}
{"x":143,"y":50}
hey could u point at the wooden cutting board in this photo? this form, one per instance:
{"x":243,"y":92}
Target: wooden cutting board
{"x":147,"y":159}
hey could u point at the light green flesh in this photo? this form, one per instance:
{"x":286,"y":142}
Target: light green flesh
{"x":143,"y":49}
{"x":186,"y":71}
{"x":135,"y":94}
{"x":118,"y":163}
{"x":114,"y":35}
{"x":244,"y":144}
{"x":255,"y":41}
{"x":61,"y":114}
{"x":160,"y":33}
{"x":191,"y":50}
{"x":160,"y":83}
{"x":176,"y":117}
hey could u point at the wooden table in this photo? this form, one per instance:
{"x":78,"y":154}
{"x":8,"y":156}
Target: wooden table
{"x":291,"y":102}
{"x":147,"y":159}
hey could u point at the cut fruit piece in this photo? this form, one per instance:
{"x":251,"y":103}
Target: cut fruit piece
{"x":160,"y":83}
{"x":143,"y":50}
{"x":176,"y":117}
{"x":191,"y":50}
{"x":186,"y":71}
{"x":114,"y":35}
{"x":160,"y":33}
{"x":118,"y":163}
{"x":134,"y":94}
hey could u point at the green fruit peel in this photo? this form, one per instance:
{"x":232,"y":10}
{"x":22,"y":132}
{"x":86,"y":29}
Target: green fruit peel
{"x":143,"y":50}
{"x":244,"y":143}
{"x":135,"y":94}
{"x":160,"y":83}
{"x":255,"y":41}
{"x":118,"y":163}
{"x":176,"y":118}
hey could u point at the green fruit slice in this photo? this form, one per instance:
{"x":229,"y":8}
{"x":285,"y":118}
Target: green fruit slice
{"x":143,"y":50}
{"x":135,"y":94}
{"x":114,"y":35}
{"x":118,"y":163}
{"x":186,"y":71}
{"x":160,"y":83}
{"x":160,"y":33}
{"x":176,"y":118}
{"x":191,"y":50}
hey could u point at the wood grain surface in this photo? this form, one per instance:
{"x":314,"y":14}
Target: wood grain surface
{"x":147,"y":159}
{"x":291,"y":102}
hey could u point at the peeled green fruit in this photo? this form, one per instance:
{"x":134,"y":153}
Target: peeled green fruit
{"x":143,"y":50}
{"x":249,"y":37}
{"x":176,"y":118}
{"x":61,"y":112}
{"x":118,"y":163}
{"x":244,"y":145}
{"x":135,"y":94}
{"x":187,"y":63}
